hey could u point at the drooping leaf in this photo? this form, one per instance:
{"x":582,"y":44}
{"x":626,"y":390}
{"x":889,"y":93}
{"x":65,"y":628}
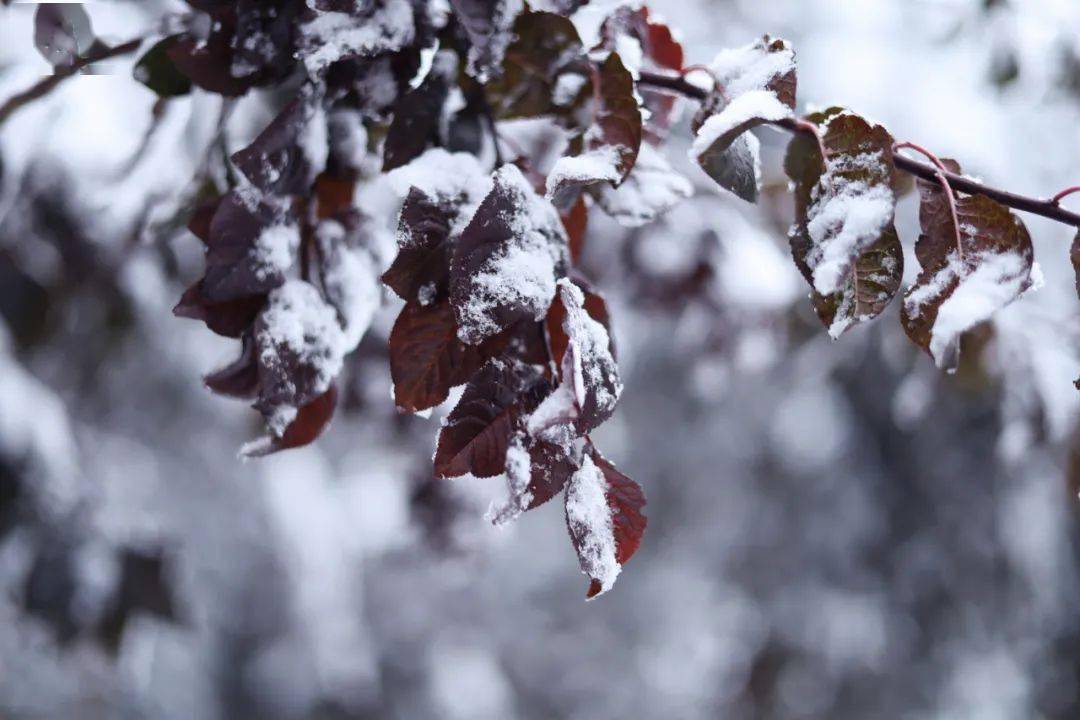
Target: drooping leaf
{"x":543,"y":72}
{"x":507,"y":260}
{"x":427,"y":358}
{"x":660,"y":51}
{"x":157,"y":71}
{"x":961,"y":287}
{"x":229,"y":318}
{"x":605,"y":520}
{"x":62,"y":32}
{"x":594,"y":305}
{"x":288,"y":154}
{"x":651,"y":189}
{"x":610,"y":145}
{"x":843,"y":240}
{"x":755,"y":85}
{"x":240,"y":378}
{"x":418,"y":114}
{"x":488,"y":25}
{"x":477,"y":432}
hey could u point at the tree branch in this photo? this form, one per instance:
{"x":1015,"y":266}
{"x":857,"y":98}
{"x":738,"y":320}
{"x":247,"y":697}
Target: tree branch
{"x":1046,"y":208}
{"x":50,"y":83}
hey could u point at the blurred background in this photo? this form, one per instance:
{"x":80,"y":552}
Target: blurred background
{"x":836,"y":530}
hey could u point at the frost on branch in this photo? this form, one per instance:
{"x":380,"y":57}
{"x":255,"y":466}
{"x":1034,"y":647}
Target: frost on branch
{"x":604,"y":516}
{"x":961,"y":287}
{"x":843,"y":240}
{"x":606,"y":152}
{"x":487,"y":24}
{"x":755,"y":84}
{"x":507,"y":260}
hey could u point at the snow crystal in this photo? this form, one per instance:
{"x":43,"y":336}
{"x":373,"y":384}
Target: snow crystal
{"x":651,"y":189}
{"x":997,"y":280}
{"x":754,"y":104}
{"x":589,"y":517}
{"x":331,"y":36}
{"x":299,"y":322}
{"x":275,"y":249}
{"x":845,"y":217}
{"x":751,"y":67}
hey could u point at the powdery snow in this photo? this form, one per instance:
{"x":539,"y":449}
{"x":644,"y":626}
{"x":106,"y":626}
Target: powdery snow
{"x":589,"y":518}
{"x":518,"y":476}
{"x":299,"y":322}
{"x":521,"y":274}
{"x":351,"y":278}
{"x":651,"y":189}
{"x":754,"y":104}
{"x":275,"y":249}
{"x":845,"y":217}
{"x":445,"y":176}
{"x":751,"y":67}
{"x":591,"y":166}
{"x":997,"y":280}
{"x":331,"y":36}
{"x":594,"y":367}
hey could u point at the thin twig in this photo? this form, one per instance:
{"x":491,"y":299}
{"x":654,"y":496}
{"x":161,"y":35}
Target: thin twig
{"x":50,"y":83}
{"x":950,"y":196}
{"x":1064,"y":194}
{"x":1046,"y":208}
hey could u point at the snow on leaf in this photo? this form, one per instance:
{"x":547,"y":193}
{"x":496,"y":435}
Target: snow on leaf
{"x":605,"y":520}
{"x":959,"y":288}
{"x":507,"y":260}
{"x":350,"y":277}
{"x":300,"y":347}
{"x":308,"y":424}
{"x":651,"y":189}
{"x":365,"y":30}
{"x":595,"y":375}
{"x":427,"y":358}
{"x":538,"y":77}
{"x":843,"y":240}
{"x":755,"y":84}
{"x":488,"y":25}
{"x":477,"y":432}
{"x":285,"y":158}
{"x":611,"y":143}
{"x":534,"y":475}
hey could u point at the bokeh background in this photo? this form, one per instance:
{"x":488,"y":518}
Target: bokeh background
{"x":836,"y":530}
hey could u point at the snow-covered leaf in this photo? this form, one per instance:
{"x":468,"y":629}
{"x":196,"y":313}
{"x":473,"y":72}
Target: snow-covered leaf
{"x":354,"y":30}
{"x":961,"y":287}
{"x":536,"y":471}
{"x":605,"y":520}
{"x":755,"y":85}
{"x":287,"y":155}
{"x":507,"y":260}
{"x":843,"y":240}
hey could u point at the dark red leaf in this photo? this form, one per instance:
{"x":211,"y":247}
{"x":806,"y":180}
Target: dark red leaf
{"x":418,"y":114}
{"x":576,"y":221}
{"x":277,"y":161}
{"x":229,"y":318}
{"x":478,"y":431}
{"x":421,"y":267}
{"x":310,"y":422}
{"x":426,"y":357}
{"x":240,"y":378}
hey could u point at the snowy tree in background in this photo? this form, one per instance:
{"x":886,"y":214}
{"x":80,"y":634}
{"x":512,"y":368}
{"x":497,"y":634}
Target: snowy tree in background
{"x":533,"y":222}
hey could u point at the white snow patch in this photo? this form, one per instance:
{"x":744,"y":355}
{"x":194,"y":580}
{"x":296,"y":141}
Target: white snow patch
{"x":651,"y":189}
{"x":751,"y":67}
{"x":331,"y":36}
{"x":601,"y":163}
{"x":275,"y":249}
{"x":589,"y":517}
{"x":755,"y":104}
